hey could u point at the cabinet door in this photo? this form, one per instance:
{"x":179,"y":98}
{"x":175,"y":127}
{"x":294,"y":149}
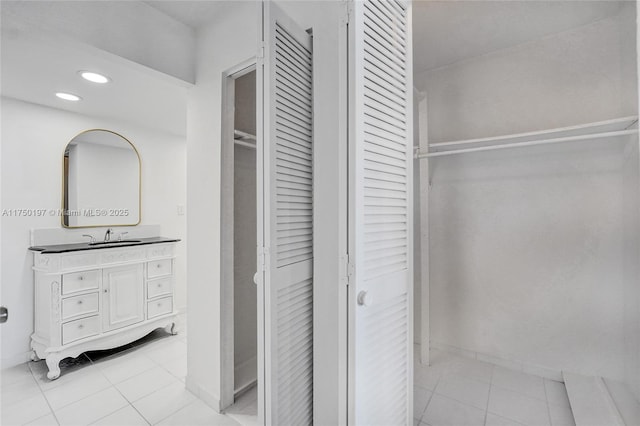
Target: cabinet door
{"x":123,"y":296}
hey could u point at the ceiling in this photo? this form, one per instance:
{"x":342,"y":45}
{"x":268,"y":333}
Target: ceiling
{"x":193,"y":13}
{"x":34,"y":65}
{"x":449,"y":31}
{"x":34,"y":68}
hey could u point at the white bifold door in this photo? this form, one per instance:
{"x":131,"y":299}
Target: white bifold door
{"x":285,"y":221}
{"x":380,"y":213}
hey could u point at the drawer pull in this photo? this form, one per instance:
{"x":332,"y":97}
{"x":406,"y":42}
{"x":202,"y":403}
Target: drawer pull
{"x":81,"y":278}
{"x":80,"y":302}
{"x":158,"y":266}
{"x":159,"y":285}
{"x":80,"y":326}
{"x":159,"y":305}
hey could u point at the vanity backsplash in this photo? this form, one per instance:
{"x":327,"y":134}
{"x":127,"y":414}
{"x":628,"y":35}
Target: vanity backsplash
{"x":55,"y":236}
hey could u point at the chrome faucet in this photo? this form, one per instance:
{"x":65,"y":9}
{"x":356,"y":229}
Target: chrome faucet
{"x":107,"y":235}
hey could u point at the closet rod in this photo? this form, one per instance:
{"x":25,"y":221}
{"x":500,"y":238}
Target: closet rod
{"x":528,"y":143}
{"x":238,"y":134}
{"x":612,"y":125}
{"x":243,"y":143}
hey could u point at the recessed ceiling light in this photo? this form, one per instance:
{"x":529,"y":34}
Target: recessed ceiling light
{"x":94,"y":77}
{"x":68,"y":96}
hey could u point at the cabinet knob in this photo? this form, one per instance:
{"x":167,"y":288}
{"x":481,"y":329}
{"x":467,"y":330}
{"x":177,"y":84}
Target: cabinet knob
{"x":158,"y":266}
{"x":159,"y":304}
{"x":159,"y":285}
{"x":81,"y":278}
{"x":80,"y":326}
{"x":106,"y":290}
{"x":80,"y":302}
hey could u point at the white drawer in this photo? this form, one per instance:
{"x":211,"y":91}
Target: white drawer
{"x":159,"y":268}
{"x":159,"y":287}
{"x":159,"y":307}
{"x":79,"y":305}
{"x":80,"y":281}
{"x":79,"y":329}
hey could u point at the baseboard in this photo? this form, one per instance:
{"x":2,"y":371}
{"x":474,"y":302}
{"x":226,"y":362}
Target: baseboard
{"x":208,"y":398}
{"x":624,"y":400}
{"x":14,"y":360}
{"x":590,"y":400}
{"x":246,"y":375}
{"x":502,"y":361}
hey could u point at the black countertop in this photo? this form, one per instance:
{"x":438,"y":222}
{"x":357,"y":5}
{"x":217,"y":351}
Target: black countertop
{"x":64,"y":248}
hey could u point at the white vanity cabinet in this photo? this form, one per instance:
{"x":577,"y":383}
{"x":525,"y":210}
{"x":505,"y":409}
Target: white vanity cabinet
{"x":123,"y":296}
{"x":100,"y":298}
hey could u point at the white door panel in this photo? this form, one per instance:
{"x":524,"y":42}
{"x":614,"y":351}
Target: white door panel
{"x":380,"y":213}
{"x":285,"y":221}
{"x":123,"y":296}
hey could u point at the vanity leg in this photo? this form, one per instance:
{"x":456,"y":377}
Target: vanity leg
{"x":171,"y":329}
{"x":53,"y":363}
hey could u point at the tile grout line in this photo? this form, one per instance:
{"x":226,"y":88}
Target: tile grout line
{"x":431,"y":397}
{"x":53,"y":413}
{"x":113,"y":385}
{"x":546,"y":396}
{"x":456,"y":399}
{"x":174,"y":412}
{"x":81,"y":399}
{"x":486,"y":411}
{"x":129,"y":403}
{"x":95,"y":364}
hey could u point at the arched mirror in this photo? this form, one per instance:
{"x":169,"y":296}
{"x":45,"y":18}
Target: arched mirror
{"x":101,"y":182}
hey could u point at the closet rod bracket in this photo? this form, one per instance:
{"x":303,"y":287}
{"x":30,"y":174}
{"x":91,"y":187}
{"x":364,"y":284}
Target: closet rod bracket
{"x":416,"y":152}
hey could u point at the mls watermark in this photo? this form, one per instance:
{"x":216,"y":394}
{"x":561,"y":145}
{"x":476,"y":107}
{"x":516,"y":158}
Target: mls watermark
{"x":64,"y":212}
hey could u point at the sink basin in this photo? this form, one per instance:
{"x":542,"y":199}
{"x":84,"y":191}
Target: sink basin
{"x":102,"y":243}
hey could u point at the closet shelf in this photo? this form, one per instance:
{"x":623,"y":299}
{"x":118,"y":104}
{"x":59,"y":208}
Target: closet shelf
{"x":601,"y":129}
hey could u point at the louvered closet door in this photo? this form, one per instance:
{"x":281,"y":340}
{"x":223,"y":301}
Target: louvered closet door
{"x":287,"y":207}
{"x":380,"y":213}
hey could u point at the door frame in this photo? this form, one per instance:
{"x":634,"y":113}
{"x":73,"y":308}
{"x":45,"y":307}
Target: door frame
{"x":227,"y":345}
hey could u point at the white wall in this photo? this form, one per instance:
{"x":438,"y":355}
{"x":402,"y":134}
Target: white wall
{"x":632,"y":248}
{"x":245,"y":308}
{"x":571,"y":78}
{"x":631,"y":261}
{"x":222,"y":45}
{"x":33,"y":143}
{"x":527,"y":245}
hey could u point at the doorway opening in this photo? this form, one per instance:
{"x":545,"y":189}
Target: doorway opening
{"x":239,"y":236}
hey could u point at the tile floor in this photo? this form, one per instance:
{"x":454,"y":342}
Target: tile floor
{"x":461,"y":391}
{"x":143,"y":384}
{"x":245,"y":409}
{"x":138,"y":384}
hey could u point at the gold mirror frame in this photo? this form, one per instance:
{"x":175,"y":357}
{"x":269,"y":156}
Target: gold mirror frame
{"x":65,"y":176}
